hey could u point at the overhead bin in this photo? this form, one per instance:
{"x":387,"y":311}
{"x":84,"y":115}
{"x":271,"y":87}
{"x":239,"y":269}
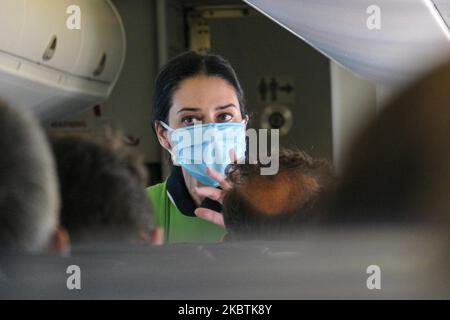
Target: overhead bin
{"x":103,"y":50}
{"x":44,"y":37}
{"x":55,"y":70}
{"x":410,"y":36}
{"x":12,"y":17}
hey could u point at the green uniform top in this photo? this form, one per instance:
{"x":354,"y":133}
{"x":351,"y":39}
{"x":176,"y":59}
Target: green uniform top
{"x":177,"y":226}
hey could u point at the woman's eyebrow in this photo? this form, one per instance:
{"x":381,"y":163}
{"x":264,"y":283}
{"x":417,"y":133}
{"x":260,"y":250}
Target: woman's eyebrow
{"x":188,"y":109}
{"x":231,"y":105}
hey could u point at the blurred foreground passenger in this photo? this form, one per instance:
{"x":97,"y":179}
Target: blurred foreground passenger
{"x":399,"y":168}
{"x":102,"y":190}
{"x":265,"y":207}
{"x":29,"y":198}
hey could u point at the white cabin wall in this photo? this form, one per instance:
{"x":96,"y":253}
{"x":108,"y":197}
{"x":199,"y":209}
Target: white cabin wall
{"x":353,"y":104}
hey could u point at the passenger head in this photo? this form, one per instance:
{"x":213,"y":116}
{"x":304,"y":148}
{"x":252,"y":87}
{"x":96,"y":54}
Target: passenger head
{"x":193,"y":88}
{"x":275,"y":206}
{"x":399,"y":168}
{"x":102,"y":190}
{"x":29,"y":199}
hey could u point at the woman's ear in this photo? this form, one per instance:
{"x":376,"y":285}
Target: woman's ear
{"x":157,"y":236}
{"x":162,"y":135}
{"x":246,"y":119}
{"x":60,"y":243}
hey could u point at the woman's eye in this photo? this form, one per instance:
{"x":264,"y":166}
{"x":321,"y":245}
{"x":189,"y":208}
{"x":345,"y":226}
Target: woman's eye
{"x":189,"y":121}
{"x":225,"y":117}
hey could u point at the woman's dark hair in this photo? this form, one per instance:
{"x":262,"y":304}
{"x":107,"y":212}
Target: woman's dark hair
{"x":187,"y":65}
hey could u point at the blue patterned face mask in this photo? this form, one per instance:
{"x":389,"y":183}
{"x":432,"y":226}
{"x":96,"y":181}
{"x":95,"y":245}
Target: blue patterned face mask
{"x":198,"y":147}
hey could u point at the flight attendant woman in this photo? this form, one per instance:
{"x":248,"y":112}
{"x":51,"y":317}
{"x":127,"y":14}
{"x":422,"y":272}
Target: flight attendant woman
{"x":198,"y":99}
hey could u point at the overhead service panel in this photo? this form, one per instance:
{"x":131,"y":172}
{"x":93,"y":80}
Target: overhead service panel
{"x":59,"y":57}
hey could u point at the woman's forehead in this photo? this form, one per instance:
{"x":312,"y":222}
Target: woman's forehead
{"x":204,"y":92}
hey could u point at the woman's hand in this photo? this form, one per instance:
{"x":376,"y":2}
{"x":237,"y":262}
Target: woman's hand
{"x":214,"y":194}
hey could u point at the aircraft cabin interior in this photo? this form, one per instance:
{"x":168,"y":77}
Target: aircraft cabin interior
{"x":224,"y":149}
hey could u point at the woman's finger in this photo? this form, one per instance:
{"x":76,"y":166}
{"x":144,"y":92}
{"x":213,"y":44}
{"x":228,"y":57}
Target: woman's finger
{"x":209,"y":192}
{"x":210,"y":215}
{"x":224,"y":184}
{"x":233,"y":156}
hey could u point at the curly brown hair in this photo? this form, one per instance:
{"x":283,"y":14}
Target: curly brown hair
{"x":274,"y":206}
